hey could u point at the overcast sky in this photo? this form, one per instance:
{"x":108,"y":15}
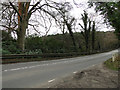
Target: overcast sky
{"x":76,"y":12}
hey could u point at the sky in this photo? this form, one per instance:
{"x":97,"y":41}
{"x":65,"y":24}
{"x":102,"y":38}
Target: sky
{"x":76,"y":12}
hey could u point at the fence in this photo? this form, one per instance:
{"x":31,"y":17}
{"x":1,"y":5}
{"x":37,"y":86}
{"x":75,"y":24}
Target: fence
{"x":14,"y":58}
{"x":37,"y":57}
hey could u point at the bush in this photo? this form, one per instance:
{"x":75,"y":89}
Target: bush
{"x":10,"y":46}
{"x":36,"y":51}
{"x":4,"y":51}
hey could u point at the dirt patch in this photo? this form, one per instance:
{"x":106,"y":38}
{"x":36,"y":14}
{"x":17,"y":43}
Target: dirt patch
{"x":95,"y":77}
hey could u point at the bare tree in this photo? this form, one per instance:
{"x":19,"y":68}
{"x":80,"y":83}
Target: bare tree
{"x":22,"y":12}
{"x":86,"y":29}
{"x":8,"y":20}
{"x":62,"y":17}
{"x":93,"y":35}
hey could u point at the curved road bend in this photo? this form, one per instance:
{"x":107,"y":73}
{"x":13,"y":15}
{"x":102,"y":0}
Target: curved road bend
{"x":35,"y":74}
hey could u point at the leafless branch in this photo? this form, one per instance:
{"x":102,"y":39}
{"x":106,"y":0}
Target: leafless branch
{"x":35,"y":28}
{"x":14,"y":7}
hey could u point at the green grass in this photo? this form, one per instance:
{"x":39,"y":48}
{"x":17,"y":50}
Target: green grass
{"x":113,"y":65}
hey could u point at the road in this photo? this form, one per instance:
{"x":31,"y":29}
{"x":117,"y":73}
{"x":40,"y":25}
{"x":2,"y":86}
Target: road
{"x":36,"y":74}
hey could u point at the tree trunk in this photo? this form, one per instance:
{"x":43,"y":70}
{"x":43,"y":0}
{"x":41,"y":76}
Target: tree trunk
{"x":93,"y":36}
{"x":87,"y":40}
{"x":87,"y":46}
{"x":21,"y":35}
{"x":99,"y":46}
{"x":72,"y":36}
{"x":118,"y":43}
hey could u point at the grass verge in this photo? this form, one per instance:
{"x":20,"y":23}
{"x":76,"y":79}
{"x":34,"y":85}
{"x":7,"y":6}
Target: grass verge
{"x":114,"y":65}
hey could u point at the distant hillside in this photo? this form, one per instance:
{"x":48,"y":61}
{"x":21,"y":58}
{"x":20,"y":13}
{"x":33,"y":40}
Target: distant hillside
{"x":63,"y":43}
{"x":59,"y":43}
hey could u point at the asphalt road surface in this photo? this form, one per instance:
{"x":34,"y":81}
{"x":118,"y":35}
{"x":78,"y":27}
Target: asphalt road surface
{"x":36,"y":74}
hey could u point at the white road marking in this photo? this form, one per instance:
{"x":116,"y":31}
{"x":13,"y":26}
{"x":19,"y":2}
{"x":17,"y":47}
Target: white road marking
{"x":22,"y":68}
{"x":5,"y":70}
{"x":51,"y":80}
{"x":12,"y":69}
{"x":75,"y":72}
{"x":66,"y":61}
{"x":16,"y":69}
{"x":32,"y":66}
{"x":93,"y":65}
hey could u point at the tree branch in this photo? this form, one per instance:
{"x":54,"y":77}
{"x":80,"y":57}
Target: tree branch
{"x":35,"y":29}
{"x":49,"y":14}
{"x":81,"y":26}
{"x":33,"y":7}
{"x":15,"y":10}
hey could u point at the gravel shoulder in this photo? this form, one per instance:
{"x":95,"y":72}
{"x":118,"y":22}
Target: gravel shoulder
{"x":97,"y":76}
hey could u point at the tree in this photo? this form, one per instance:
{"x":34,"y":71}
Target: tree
{"x":8,"y":19}
{"x":111,"y":12}
{"x":63,"y":17}
{"x":24,"y":11}
{"x":68,"y":20}
{"x":93,"y":35}
{"x":23,"y":18}
{"x":69,"y":27}
{"x":86,"y":29}
{"x":8,"y":43}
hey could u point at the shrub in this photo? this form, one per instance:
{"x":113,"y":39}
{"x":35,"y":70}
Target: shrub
{"x":4,"y":51}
